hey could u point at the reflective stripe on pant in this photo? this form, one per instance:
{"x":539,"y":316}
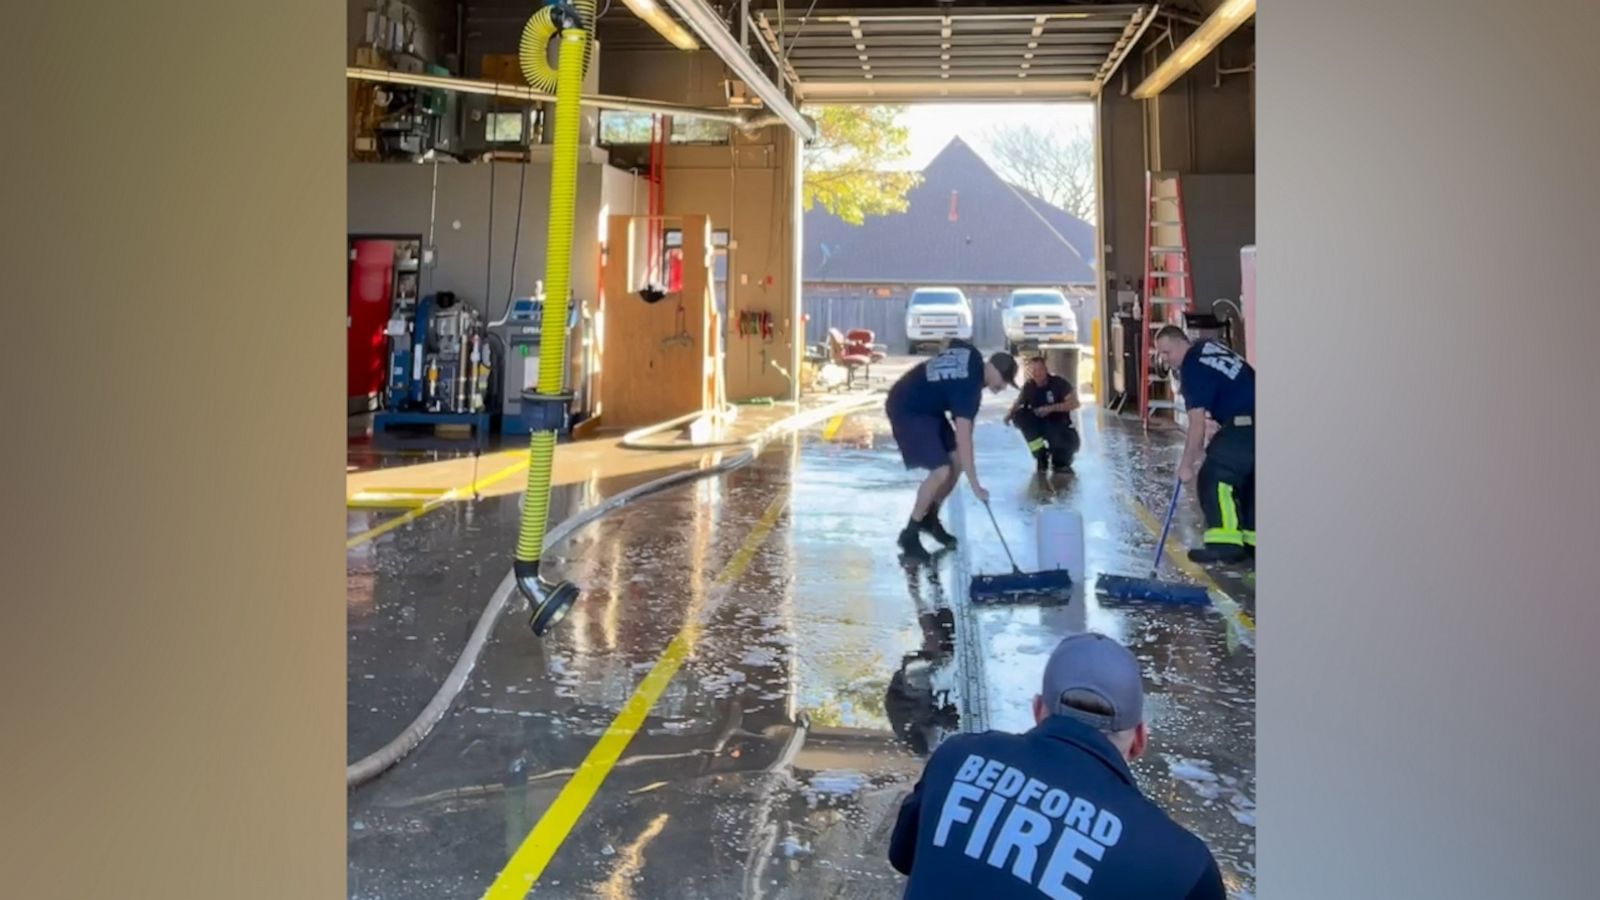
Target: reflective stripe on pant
{"x":1227,"y":487}
{"x":1054,"y":434}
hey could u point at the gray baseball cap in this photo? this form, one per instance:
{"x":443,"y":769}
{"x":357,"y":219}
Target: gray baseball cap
{"x":1099,"y":666}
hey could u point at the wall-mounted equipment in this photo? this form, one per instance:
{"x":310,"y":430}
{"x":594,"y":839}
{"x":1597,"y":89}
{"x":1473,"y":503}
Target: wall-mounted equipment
{"x":397,"y":122}
{"x":519,"y":336}
{"x":438,"y":365}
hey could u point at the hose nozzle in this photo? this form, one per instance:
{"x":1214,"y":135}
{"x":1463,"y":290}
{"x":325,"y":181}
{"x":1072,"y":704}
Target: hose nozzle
{"x":549,"y":603}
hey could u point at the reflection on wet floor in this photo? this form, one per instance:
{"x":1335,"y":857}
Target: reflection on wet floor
{"x":773,"y":763}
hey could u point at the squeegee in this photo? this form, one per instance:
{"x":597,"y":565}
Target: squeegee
{"x":1017,"y":585}
{"x":1153,"y":589}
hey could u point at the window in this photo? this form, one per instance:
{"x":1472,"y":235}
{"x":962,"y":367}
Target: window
{"x":673,"y":239}
{"x":505,"y":127}
{"x":937,"y":298}
{"x":621,"y":128}
{"x":1037,"y":298}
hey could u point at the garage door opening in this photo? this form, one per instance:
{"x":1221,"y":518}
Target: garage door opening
{"x":929,"y":221}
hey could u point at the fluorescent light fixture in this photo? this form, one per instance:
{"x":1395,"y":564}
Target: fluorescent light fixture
{"x":1223,"y":22}
{"x":657,"y":18}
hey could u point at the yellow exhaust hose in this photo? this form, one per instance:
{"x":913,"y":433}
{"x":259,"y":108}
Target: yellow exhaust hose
{"x":546,"y":406}
{"x":533,"y":53}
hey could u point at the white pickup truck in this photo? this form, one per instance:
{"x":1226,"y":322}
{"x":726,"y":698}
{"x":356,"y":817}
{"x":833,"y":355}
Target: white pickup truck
{"x":1036,"y":316}
{"x":935,"y":315}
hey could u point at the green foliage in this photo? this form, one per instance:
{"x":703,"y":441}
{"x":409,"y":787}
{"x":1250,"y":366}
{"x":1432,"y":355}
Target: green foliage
{"x":850,"y":168}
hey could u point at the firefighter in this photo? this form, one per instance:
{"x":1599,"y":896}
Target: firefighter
{"x":1043,"y":413}
{"x":1054,"y":811}
{"x":1217,"y":383}
{"x":931,"y":410}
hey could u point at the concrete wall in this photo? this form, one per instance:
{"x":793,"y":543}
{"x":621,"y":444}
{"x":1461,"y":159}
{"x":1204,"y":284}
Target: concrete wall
{"x":1122,"y":171}
{"x":1221,"y":211}
{"x":393,"y":199}
{"x":1198,"y":128}
{"x":745,"y":188}
{"x":1201,"y":125}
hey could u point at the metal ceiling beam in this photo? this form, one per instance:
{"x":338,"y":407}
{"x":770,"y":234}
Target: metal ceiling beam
{"x":933,"y":71}
{"x":936,"y":90}
{"x":934,"y":75}
{"x":706,"y":23}
{"x":1087,"y":54}
{"x":923,"y":12}
{"x":768,"y":40}
{"x":1137,"y":26}
{"x":970,"y":40}
{"x":954,"y":62}
{"x":971,"y":26}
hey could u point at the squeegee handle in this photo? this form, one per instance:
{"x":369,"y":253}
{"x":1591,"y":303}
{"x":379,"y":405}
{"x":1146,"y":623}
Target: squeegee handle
{"x":1014,"y":567}
{"x":1161,"y":545}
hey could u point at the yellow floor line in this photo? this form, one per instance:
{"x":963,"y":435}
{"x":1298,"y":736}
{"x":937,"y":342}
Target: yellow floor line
{"x":516,"y":880}
{"x":435,"y":503}
{"x":1178,"y":554}
{"x":507,"y":472}
{"x":833,"y":427}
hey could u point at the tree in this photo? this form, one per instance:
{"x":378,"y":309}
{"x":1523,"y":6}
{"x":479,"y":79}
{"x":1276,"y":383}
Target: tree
{"x":1057,"y":168}
{"x":849,"y":167}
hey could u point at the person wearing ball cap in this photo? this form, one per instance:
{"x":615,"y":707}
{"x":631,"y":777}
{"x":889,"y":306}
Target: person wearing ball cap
{"x":1056,"y":811}
{"x":931,"y":409}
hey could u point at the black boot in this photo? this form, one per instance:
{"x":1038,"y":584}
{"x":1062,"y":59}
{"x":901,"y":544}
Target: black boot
{"x":930,"y":523}
{"x":1218,"y":553}
{"x":911,"y":546}
{"x":1042,"y":460}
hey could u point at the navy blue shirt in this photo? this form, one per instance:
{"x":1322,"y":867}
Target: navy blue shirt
{"x":1053,"y":391}
{"x":1218,"y":380}
{"x":951,"y":382}
{"x":1053,"y":813}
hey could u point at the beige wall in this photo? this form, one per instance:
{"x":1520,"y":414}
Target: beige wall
{"x":1196,"y":127}
{"x":746,"y":189}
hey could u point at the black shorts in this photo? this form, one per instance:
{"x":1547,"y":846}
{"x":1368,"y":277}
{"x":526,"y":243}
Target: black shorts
{"x":926,"y":442}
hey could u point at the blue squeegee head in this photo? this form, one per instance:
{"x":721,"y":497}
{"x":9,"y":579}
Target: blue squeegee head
{"x":1019,"y":586}
{"x":1150,"y":590}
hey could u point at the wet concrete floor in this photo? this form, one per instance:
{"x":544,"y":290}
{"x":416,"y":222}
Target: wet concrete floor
{"x":772,"y":764}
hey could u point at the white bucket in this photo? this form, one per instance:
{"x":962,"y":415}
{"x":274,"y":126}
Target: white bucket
{"x":1059,"y":533}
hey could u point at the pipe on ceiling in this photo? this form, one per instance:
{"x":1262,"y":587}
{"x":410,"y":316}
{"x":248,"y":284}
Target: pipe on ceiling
{"x":745,"y":120}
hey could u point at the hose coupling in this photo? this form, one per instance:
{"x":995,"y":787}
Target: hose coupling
{"x":549,"y":603}
{"x":545,"y":412}
{"x":565,"y":15}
